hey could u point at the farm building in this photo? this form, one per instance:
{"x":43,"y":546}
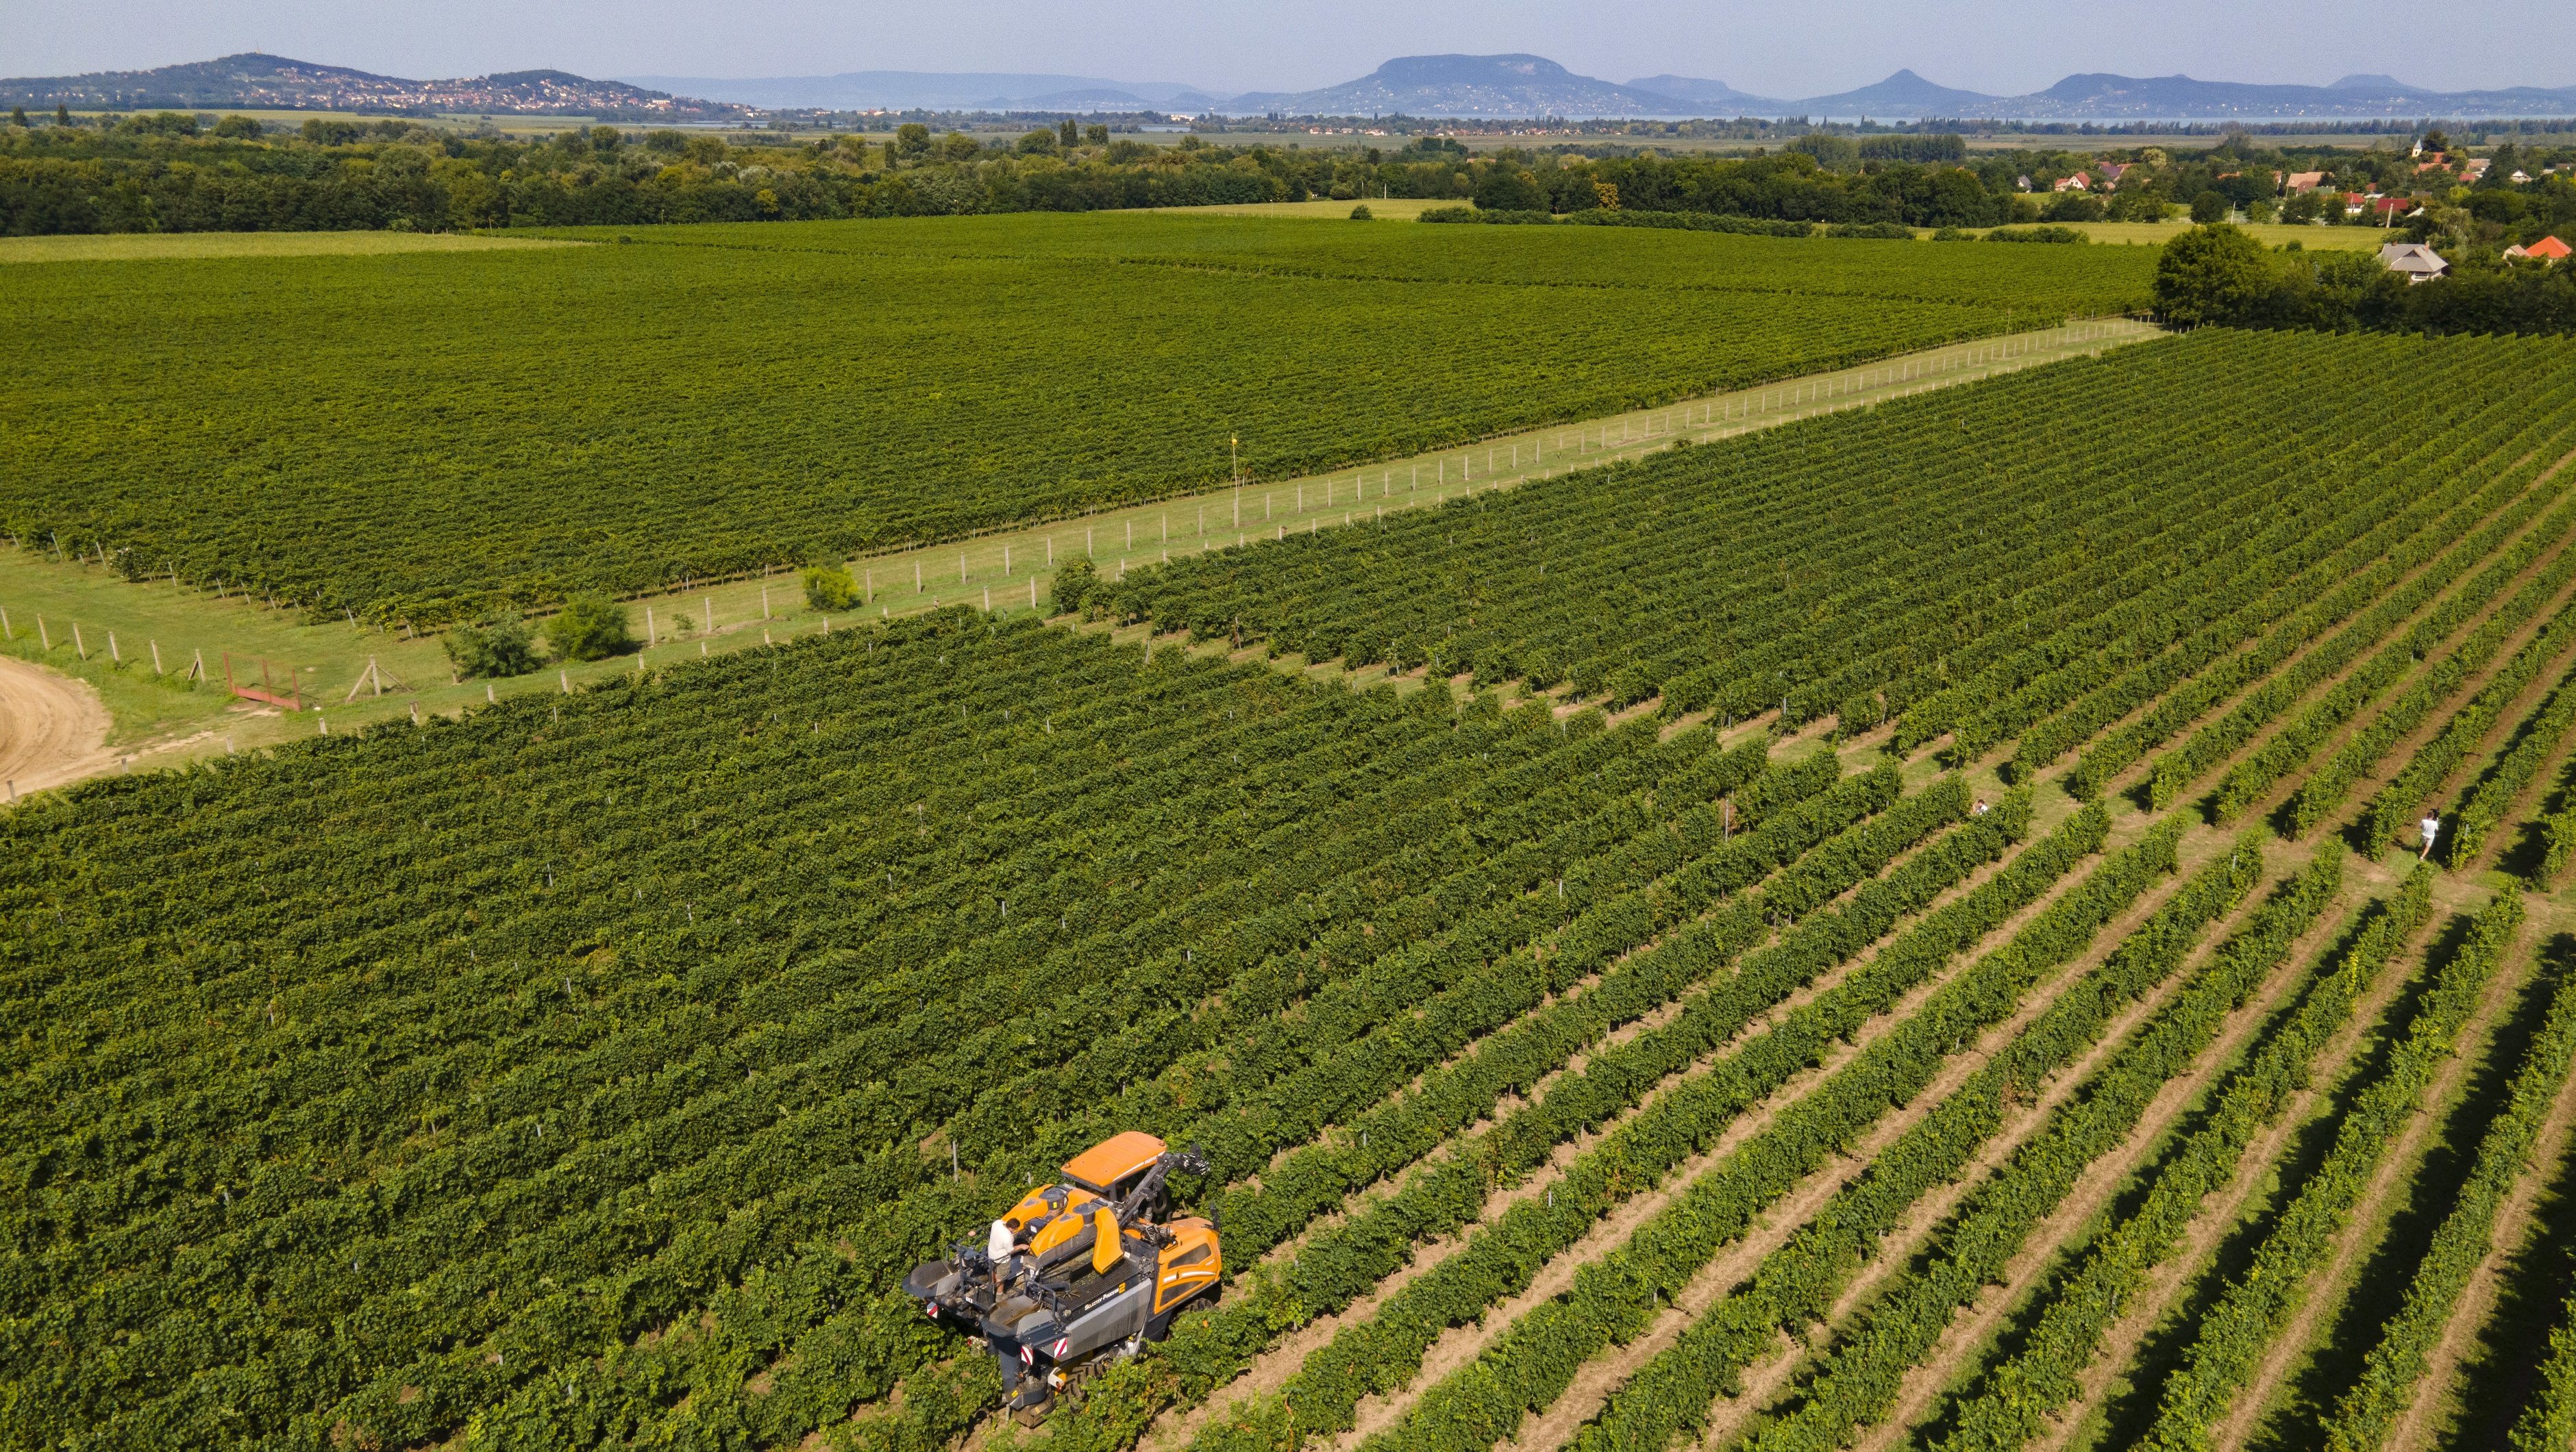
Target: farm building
{"x":2419,"y":262}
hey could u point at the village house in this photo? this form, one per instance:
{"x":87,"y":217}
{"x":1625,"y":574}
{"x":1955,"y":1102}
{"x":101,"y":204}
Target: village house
{"x":2076,"y":183}
{"x":2476,"y":169}
{"x":2418,"y":262}
{"x":2112,"y":171}
{"x":2306,"y":181}
{"x":2547,"y":249}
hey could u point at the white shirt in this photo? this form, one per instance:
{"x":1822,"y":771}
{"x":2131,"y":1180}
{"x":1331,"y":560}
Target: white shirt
{"x":2430,"y":825}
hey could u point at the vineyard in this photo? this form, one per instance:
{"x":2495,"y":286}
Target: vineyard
{"x":449,"y":430}
{"x":1906,"y":928}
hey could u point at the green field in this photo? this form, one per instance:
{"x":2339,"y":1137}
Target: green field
{"x":1807,"y":886}
{"x":2270,"y":234}
{"x":413,"y":436}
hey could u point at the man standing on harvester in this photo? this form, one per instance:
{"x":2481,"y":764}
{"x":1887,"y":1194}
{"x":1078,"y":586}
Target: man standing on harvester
{"x":1078,"y":1275}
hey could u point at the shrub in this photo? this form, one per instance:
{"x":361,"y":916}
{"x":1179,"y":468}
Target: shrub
{"x":590,"y":627}
{"x":829,"y":587}
{"x":1360,"y":213}
{"x":500,"y":646}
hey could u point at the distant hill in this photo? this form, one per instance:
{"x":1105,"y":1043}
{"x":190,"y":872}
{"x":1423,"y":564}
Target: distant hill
{"x":268,"y":82}
{"x":1906,"y":96}
{"x":935,"y":91}
{"x":1502,"y":87}
{"x":2110,"y":98}
{"x":1902,"y":94}
{"x":1709,"y":97}
{"x":1513,"y":86}
{"x":1467,"y":85}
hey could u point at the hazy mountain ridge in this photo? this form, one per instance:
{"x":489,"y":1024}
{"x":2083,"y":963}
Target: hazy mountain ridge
{"x":267,"y":82}
{"x":935,"y":91}
{"x":1466,"y":85}
{"x":1502,"y":87}
{"x":1530,"y":86}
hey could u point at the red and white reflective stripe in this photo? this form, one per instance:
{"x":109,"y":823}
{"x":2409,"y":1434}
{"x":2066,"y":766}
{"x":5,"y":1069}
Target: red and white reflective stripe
{"x":930,"y":1309}
{"x":1060,"y":1346}
{"x":1028,"y":1357}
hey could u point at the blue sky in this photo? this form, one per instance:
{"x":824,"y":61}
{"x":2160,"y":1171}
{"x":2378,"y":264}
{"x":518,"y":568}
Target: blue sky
{"x":1231,"y":45}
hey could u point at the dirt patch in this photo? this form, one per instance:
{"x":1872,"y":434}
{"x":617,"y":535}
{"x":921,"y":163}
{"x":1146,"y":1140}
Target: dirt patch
{"x":53,"y":729}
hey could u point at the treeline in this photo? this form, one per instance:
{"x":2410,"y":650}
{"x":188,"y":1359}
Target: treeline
{"x":2222,"y":275}
{"x":150,"y":174}
{"x":169,"y":173}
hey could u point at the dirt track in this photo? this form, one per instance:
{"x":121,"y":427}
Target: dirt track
{"x":52,"y":728}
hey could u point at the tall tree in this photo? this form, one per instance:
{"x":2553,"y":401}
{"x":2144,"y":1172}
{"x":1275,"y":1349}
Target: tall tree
{"x":2210,"y":274}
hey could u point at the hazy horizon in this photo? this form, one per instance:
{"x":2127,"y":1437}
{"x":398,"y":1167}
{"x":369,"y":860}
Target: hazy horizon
{"x":1231,"y":46}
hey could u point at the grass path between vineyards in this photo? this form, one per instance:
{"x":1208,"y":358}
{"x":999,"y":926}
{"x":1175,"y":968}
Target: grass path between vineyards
{"x":136,"y":642}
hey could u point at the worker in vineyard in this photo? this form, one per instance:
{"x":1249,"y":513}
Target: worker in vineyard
{"x":2431,"y":825}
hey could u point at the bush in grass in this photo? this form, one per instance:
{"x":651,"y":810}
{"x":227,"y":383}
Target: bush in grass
{"x":501,"y":645}
{"x":590,"y":627}
{"x":1360,"y":213}
{"x":829,"y":587}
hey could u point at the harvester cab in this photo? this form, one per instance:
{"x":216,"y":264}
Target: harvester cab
{"x":1079,"y":1274}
